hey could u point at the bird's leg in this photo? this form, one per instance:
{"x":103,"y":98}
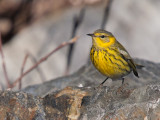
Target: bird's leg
{"x":122,"y":81}
{"x":103,"y":82}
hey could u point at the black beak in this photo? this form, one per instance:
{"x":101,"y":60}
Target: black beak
{"x":90,"y":35}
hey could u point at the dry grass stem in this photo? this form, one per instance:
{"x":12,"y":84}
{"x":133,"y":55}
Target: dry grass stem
{"x":42,"y":60}
{"x":41,"y":74}
{"x":22,"y":69}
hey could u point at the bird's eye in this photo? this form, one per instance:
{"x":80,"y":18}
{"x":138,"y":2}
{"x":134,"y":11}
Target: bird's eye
{"x":102,"y":36}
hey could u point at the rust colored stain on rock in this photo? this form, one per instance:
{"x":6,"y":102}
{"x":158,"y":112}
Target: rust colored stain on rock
{"x":13,"y":106}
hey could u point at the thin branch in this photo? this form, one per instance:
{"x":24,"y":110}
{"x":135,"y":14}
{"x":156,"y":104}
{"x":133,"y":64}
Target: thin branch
{"x":106,"y":14}
{"x":42,"y":76}
{"x":22,"y":69}
{"x":4,"y":64}
{"x":43,"y":59}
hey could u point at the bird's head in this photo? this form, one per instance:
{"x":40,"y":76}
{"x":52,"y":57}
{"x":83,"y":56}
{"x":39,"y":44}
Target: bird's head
{"x":102,"y":38}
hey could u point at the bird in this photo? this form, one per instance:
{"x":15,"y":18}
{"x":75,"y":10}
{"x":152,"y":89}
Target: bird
{"x":110,"y":58}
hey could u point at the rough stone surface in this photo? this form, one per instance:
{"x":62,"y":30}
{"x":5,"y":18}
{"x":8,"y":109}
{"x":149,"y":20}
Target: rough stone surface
{"x":19,"y":105}
{"x":84,"y":103}
{"x":58,"y":106}
{"x":121,"y":103}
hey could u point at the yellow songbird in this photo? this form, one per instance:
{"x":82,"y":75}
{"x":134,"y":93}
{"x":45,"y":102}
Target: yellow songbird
{"x":109,"y":57}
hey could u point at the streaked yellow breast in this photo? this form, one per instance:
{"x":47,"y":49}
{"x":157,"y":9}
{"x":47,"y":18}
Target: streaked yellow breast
{"x":109,"y":62}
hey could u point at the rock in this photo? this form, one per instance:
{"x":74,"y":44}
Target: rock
{"x":19,"y":105}
{"x":67,"y":102}
{"x":81,"y":103}
{"x":121,"y":103}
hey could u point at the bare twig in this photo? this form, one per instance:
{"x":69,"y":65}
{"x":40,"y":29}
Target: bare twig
{"x":43,"y":59}
{"x":77,"y":20}
{"x":106,"y":13}
{"x":22,"y":69}
{"x":4,"y":64}
{"x":42,"y":76}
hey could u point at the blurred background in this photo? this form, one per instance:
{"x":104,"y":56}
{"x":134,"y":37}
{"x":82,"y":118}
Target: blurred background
{"x":39,"y":26}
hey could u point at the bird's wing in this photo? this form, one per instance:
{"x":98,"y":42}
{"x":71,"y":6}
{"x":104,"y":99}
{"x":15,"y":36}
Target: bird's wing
{"x":125,"y":55}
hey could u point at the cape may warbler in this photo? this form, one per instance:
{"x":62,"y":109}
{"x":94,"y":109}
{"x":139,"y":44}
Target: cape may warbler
{"x":110,"y":57}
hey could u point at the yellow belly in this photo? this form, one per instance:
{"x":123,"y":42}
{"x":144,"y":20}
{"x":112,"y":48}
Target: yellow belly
{"x":109,"y":63}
